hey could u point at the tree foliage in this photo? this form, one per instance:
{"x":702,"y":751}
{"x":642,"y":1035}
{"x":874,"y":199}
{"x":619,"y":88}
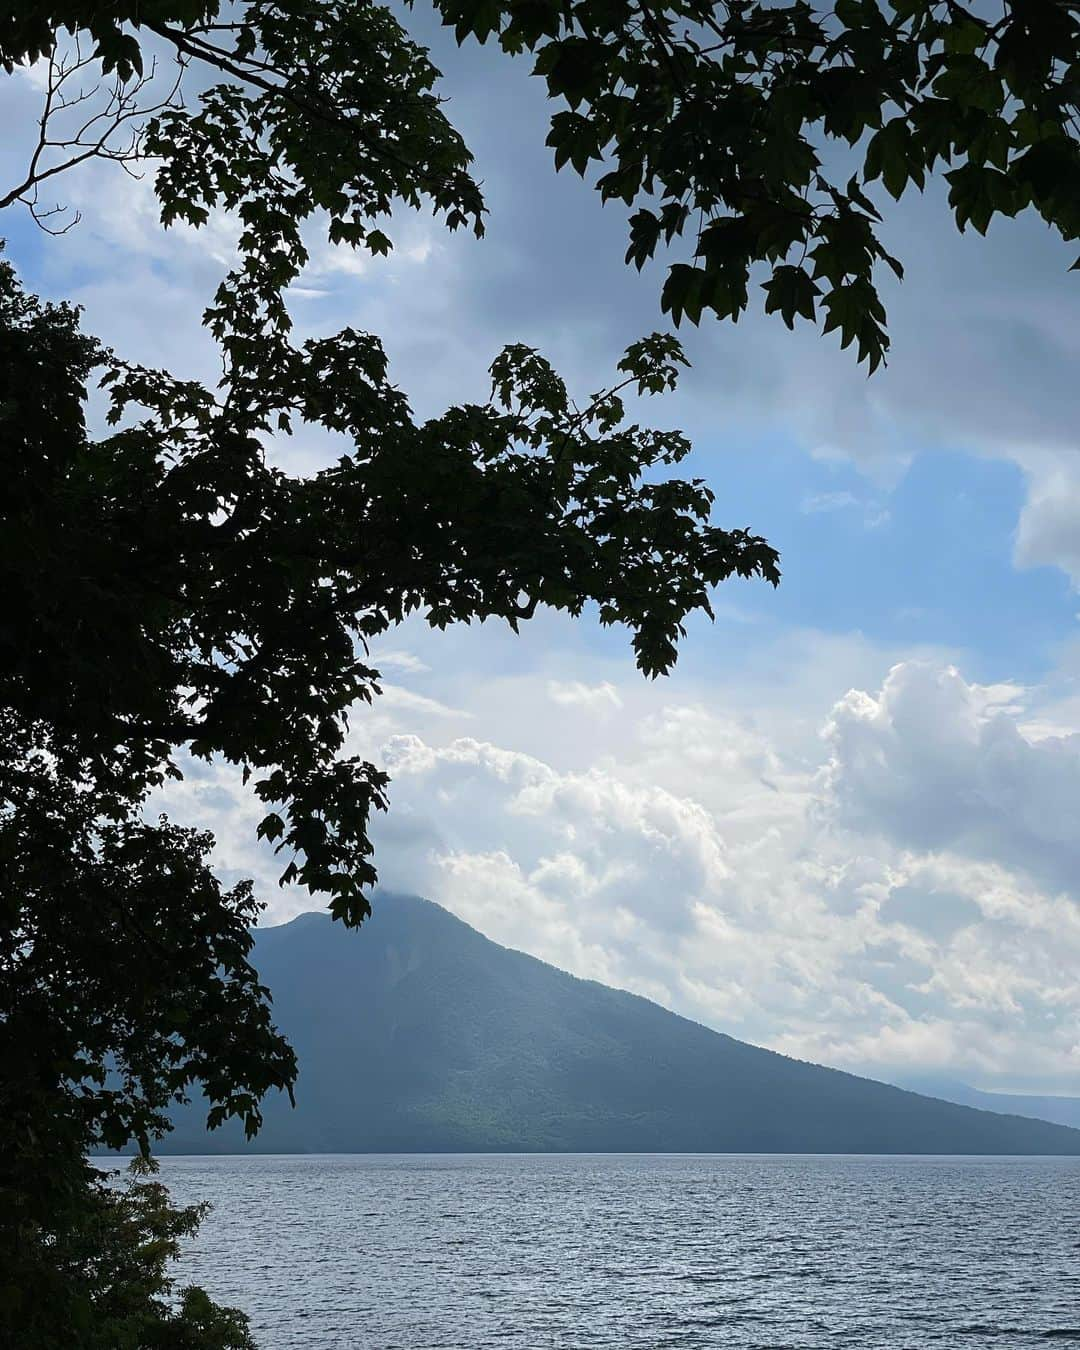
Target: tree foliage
{"x":175,"y":588}
{"x":713,"y":123}
{"x":92,"y":1271}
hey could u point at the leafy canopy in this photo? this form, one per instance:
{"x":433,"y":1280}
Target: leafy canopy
{"x":97,"y":1276}
{"x":712,"y":123}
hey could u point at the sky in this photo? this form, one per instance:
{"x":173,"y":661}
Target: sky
{"x":846,"y":826}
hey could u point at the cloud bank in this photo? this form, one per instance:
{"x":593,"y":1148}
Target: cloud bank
{"x":896,"y":893}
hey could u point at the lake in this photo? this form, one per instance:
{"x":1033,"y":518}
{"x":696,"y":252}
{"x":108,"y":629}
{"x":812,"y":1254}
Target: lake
{"x":639,"y":1252}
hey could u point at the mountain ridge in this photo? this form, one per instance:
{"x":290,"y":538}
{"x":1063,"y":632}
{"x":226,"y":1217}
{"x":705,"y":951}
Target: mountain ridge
{"x":420,"y":1034}
{"x":1057,"y":1108}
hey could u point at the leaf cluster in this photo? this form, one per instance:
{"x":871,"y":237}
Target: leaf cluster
{"x":712,"y":122}
{"x":124,"y":972}
{"x":124,"y":980}
{"x":92,"y":1270}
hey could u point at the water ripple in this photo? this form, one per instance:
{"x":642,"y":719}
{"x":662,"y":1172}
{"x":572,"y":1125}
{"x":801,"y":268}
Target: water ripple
{"x":621,"y":1252}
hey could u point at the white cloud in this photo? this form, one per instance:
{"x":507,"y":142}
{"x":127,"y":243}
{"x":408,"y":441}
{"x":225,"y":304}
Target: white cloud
{"x":1048,"y":531}
{"x":393,"y":658}
{"x":886,"y":907}
{"x":828,"y":501}
{"x":408,"y":702}
{"x":599,"y":697}
{"x":934,"y":763}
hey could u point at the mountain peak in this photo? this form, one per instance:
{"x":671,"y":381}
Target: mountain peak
{"x":417,"y":1033}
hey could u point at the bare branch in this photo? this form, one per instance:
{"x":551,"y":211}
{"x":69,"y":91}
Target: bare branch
{"x":85,"y":117}
{"x":42,"y":216}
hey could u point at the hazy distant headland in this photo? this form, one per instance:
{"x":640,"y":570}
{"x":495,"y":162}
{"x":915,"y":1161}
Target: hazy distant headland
{"x":419,"y":1034}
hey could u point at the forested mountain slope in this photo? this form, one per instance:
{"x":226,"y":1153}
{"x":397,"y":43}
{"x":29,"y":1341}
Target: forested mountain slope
{"x":418,"y":1033}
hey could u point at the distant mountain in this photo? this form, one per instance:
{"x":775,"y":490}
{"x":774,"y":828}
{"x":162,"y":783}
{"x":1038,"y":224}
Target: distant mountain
{"x":419,"y":1034}
{"x":1060,"y":1110}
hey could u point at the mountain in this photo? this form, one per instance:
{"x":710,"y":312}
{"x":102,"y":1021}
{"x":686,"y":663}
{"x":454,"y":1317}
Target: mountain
{"x":1060,"y":1110}
{"x":420,"y":1034}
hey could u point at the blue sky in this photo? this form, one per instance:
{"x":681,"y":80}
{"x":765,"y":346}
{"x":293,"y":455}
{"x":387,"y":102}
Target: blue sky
{"x":928,"y":559}
{"x":846,"y":825}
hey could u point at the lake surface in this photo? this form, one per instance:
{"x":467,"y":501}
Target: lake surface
{"x":631,"y":1252}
